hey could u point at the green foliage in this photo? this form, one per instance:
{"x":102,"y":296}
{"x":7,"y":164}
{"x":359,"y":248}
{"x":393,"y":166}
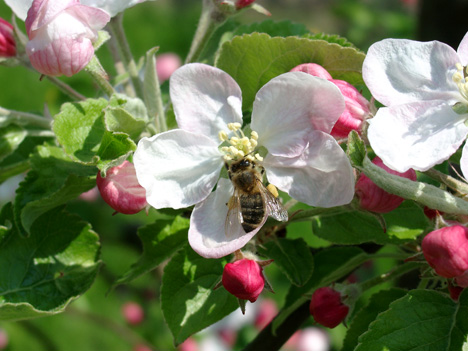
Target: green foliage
{"x":239,"y":57}
{"x":422,"y":318}
{"x":10,"y":138}
{"x":188,"y":300}
{"x":401,"y":225}
{"x":42,"y":273}
{"x":160,"y":241}
{"x":293,"y":257}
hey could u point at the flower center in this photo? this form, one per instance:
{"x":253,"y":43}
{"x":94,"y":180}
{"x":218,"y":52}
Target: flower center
{"x":240,"y":145}
{"x":459,"y":77}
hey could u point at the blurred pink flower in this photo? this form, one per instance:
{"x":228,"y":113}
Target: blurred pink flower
{"x":166,"y":64}
{"x":375,"y":199}
{"x":7,"y":40}
{"x":133,"y":313}
{"x":121,"y":190}
{"x":267,"y":310}
{"x":61,"y":35}
{"x":188,"y":345}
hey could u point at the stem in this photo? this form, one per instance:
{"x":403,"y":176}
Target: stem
{"x":210,"y":19}
{"x":25,"y":118}
{"x":119,"y":65}
{"x":395,"y":273}
{"x":118,"y":33}
{"x":65,"y":88}
{"x":100,"y":76}
{"x":451,"y":182}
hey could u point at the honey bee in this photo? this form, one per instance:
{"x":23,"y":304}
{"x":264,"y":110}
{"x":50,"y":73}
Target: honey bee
{"x":252,"y":202}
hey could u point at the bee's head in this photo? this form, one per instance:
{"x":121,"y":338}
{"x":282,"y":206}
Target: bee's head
{"x":241,"y":165}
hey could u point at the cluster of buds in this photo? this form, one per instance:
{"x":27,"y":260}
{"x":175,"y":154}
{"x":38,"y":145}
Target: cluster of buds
{"x":121,"y":190}
{"x":375,"y":199}
{"x":357,"y":107}
{"x":327,"y":307}
{"x":446,"y":251}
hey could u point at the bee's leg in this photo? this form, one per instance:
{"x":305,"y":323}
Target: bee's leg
{"x":228,"y":171}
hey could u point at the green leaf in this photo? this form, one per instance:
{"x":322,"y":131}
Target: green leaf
{"x":331,"y":264}
{"x":254,"y":59}
{"x":356,"y":149}
{"x":331,"y":38}
{"x":117,"y":119}
{"x":10,"y":138}
{"x":273,"y":28}
{"x":422,"y":320}
{"x":403,"y":224}
{"x":54,"y":180}
{"x":293,"y":258}
{"x":160,"y":241}
{"x":188,"y":300}
{"x":114,"y":149}
{"x":43,"y":273}
{"x":378,"y":303}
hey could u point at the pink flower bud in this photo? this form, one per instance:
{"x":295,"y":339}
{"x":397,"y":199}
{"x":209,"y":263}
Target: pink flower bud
{"x":375,"y":199}
{"x":61,"y":35}
{"x":3,"y":339}
{"x":313,"y":69}
{"x":121,"y":190}
{"x":244,"y":279}
{"x":133,"y":313}
{"x":326,"y":307}
{"x":446,"y":250}
{"x":7,"y":40}
{"x":265,"y":314}
{"x":166,"y":64}
{"x":240,"y":4}
{"x":356,"y":105}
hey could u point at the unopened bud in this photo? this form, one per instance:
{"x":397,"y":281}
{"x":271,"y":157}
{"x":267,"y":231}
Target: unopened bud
{"x":326,"y":307}
{"x":375,"y":199}
{"x":7,"y":40}
{"x":244,"y":279}
{"x":240,"y":4}
{"x":313,"y":69}
{"x":121,"y":190}
{"x":133,"y":313}
{"x":446,"y":250}
{"x":166,"y":64}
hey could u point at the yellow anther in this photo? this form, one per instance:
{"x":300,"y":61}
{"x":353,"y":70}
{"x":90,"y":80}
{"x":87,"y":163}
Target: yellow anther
{"x":234,"y":126}
{"x":234,"y":140}
{"x":254,"y":135}
{"x":459,"y":66}
{"x":245,"y":141}
{"x":258,"y":157}
{"x":241,"y":153}
{"x":254,"y":143}
{"x":222,"y":135}
{"x":457,"y":77}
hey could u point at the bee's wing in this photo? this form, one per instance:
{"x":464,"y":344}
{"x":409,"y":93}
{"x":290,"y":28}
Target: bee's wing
{"x":234,"y":216}
{"x":274,"y":207}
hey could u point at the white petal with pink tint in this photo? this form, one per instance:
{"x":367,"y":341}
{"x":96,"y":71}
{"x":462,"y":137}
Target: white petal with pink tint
{"x":205,"y":99}
{"x":322,"y":176}
{"x":177,"y":168}
{"x":289,"y":107}
{"x":207,"y":234}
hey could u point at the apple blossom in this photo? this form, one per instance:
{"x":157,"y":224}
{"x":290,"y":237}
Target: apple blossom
{"x":423,"y":86}
{"x":7,"y":41}
{"x":356,"y":106}
{"x":166,"y":64}
{"x":113,"y":7}
{"x":244,"y":279}
{"x":133,"y":313}
{"x":121,"y":190}
{"x":291,"y":117}
{"x":375,"y":199}
{"x":61,"y":35}
{"x":326,"y":307}
{"x":446,"y":250}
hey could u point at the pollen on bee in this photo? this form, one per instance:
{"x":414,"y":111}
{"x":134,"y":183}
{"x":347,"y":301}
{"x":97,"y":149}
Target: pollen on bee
{"x":272,"y":189}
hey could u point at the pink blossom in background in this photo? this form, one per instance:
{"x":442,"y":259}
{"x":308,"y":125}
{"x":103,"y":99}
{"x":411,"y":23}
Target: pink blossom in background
{"x":375,"y":199}
{"x":133,"y":313}
{"x":166,"y":64}
{"x":61,"y":35}
{"x":3,"y":339}
{"x":267,"y":310}
{"x":121,"y":190}
{"x":189,"y":345}
{"x":7,"y":40}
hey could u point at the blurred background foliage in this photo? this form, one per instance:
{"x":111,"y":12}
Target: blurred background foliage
{"x":95,"y":321}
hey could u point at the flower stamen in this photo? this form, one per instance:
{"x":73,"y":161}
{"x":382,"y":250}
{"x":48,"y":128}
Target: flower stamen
{"x":459,"y":78}
{"x":240,"y":145}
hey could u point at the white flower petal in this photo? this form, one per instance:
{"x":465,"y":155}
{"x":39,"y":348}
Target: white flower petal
{"x":464,"y":161}
{"x":177,"y":168}
{"x":417,"y":135}
{"x":113,"y":7}
{"x":207,"y":233}
{"x":205,"y":99}
{"x":322,"y":176}
{"x":399,"y":71}
{"x":289,"y":107}
{"x":19,"y":7}
{"x":462,"y":50}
